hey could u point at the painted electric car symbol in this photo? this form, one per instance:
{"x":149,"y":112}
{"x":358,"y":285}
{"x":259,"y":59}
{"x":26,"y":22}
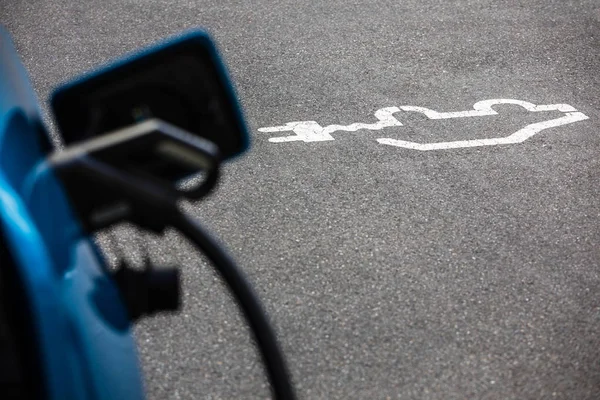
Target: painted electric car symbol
{"x":311,"y":131}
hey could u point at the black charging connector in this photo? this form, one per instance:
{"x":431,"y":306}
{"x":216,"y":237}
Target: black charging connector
{"x":131,"y":175}
{"x":148,"y":291}
{"x":153,"y":154}
{"x":107,"y":183}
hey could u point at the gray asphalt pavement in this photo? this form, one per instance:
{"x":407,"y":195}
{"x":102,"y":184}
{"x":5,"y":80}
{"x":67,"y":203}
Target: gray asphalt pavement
{"x":388,"y":272}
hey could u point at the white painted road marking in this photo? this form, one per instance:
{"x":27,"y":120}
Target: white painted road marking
{"x":483,"y":108}
{"x":311,"y":131}
{"x":519,"y":136}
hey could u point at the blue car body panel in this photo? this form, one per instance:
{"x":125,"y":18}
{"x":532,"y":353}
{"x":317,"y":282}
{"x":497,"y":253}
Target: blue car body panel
{"x":82,"y":334}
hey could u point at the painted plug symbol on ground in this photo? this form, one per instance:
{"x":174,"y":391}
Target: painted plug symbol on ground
{"x":311,"y":131}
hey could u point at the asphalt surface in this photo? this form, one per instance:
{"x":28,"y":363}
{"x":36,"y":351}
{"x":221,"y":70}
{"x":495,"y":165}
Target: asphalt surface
{"x":388,"y":272}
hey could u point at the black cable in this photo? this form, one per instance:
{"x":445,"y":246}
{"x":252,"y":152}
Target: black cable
{"x":246,"y":299}
{"x":154,"y":207}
